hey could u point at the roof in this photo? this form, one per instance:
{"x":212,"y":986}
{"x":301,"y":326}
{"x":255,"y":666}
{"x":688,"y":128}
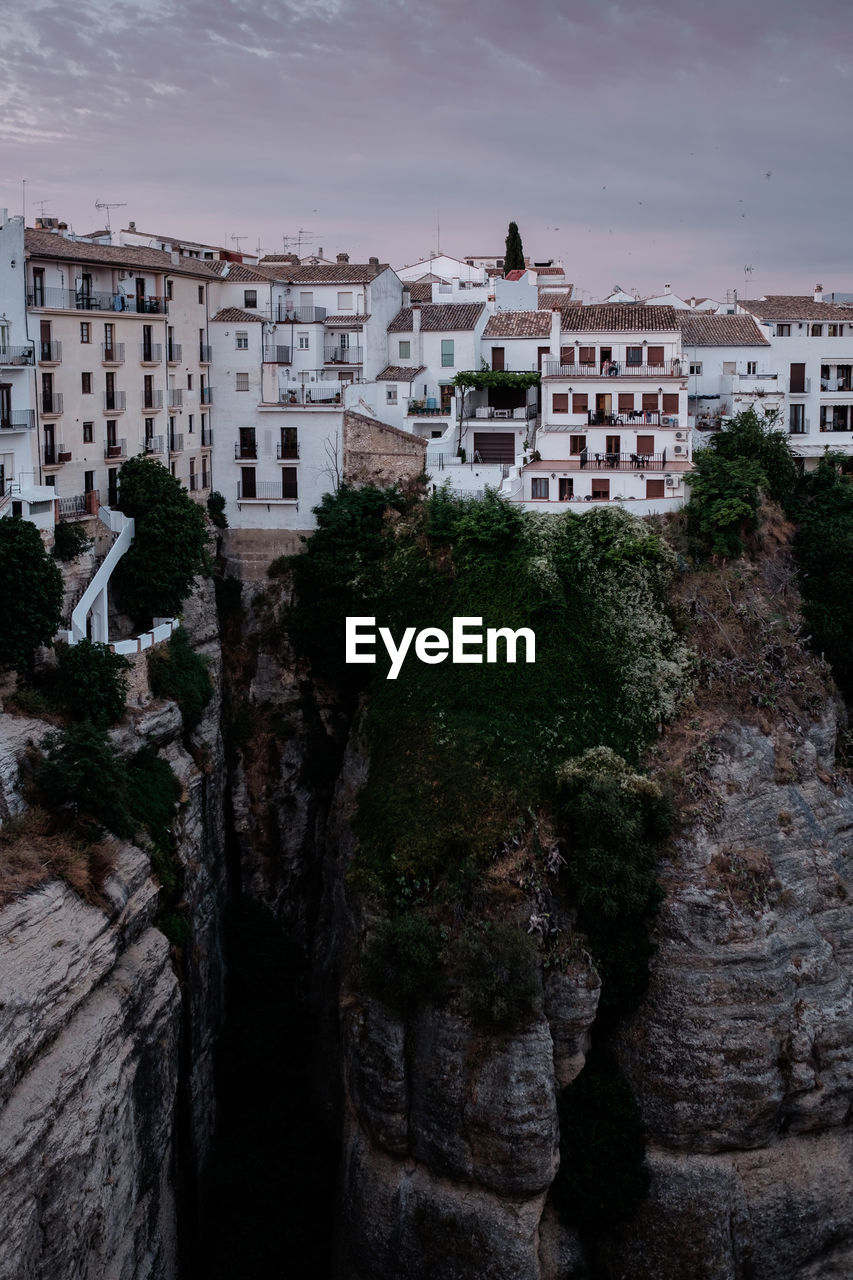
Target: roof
{"x":335,"y":273}
{"x":556,"y":300}
{"x":355,"y":319}
{"x":436,"y":316}
{"x":609,"y":317}
{"x":47,"y":244}
{"x":515,"y":274}
{"x":518,"y":324}
{"x":700,"y":329}
{"x":399,"y":373}
{"x":236,"y":315}
{"x":239,"y":272}
{"x":783,"y":306}
{"x":349,"y":414}
{"x":549,"y":271}
{"x":419,"y":292}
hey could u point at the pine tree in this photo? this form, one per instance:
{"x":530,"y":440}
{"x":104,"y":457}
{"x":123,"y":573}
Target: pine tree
{"x":514,"y":254}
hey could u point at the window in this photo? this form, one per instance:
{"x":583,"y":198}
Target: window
{"x":85,"y":331}
{"x":567,"y":489}
{"x":189,"y":382}
{"x":634,"y":355}
{"x":577,"y":445}
{"x":242,"y":383}
{"x":201,"y":293}
{"x":405,"y":350}
{"x":241,"y":339}
{"x":247,"y":445}
{"x":149,"y":428}
{"x":289,"y":442}
{"x":289,"y":489}
{"x":797,"y":374}
{"x":303,"y":341}
{"x":797,"y":419}
{"x":645,"y":446}
{"x":447,"y":356}
{"x":655,"y":488}
{"x":752,"y":367}
{"x":344,"y":302}
{"x":655,"y":356}
{"x":650,"y":401}
{"x":696,"y":367}
{"x":539,"y":487}
{"x":250,"y":298}
{"x":586,"y":355}
{"x":816,"y":330}
{"x":560,"y":402}
{"x":612,"y":444}
{"x":190,"y":425}
{"x":391,"y":395}
{"x":88,"y":432}
{"x":498,"y":359}
{"x":670,"y":402}
{"x":86,"y":384}
{"x":580,"y":402}
{"x":88,"y":481}
{"x":499,"y":262}
{"x":169,"y":290}
{"x":783,"y":331}
{"x":626,"y":402}
{"x":832,"y":331}
{"x":601,"y":489}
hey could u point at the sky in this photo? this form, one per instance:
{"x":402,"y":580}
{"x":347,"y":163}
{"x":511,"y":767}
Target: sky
{"x":700,"y":144}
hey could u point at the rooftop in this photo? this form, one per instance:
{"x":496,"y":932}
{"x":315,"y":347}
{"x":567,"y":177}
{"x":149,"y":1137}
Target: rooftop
{"x":518,"y":324}
{"x":700,"y":329}
{"x":436,"y":316}
{"x":614,"y":317}
{"x":783,"y":306}
{"x":48,"y":244}
{"x":399,"y":373}
{"x":236,"y":315}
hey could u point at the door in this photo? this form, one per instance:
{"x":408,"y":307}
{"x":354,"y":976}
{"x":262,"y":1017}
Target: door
{"x":38,"y":286}
{"x":110,"y":398}
{"x":498,"y":358}
{"x":655,"y":489}
{"x":247,"y":482}
{"x":567,"y":489}
{"x":645,"y":446}
{"x":49,"y":445}
{"x":603,"y":405}
{"x":146,"y":342}
{"x":140,"y":293}
{"x":47,"y":392}
{"x":109,"y":344}
{"x":611,"y":448}
{"x":605,"y":357}
{"x":288,"y":483}
{"x":44,"y":339}
{"x":247,"y":443}
{"x":798,"y":379}
{"x":5,"y":404}
{"x":494,"y":446}
{"x":446,"y":398}
{"x":84,"y":292}
{"x":112,"y":487}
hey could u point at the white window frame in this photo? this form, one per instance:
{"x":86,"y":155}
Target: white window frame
{"x":241,"y":339}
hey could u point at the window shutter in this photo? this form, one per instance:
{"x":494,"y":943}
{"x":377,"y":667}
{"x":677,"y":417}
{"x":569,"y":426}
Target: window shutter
{"x":580,"y":402}
{"x":655,"y":355}
{"x":560,"y":402}
{"x":586,"y":355}
{"x":650,"y":401}
{"x":626,"y":401}
{"x":670,"y":402}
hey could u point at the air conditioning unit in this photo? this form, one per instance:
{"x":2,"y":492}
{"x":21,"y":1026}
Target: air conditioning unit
{"x":679,"y":448}
{"x":122,"y":275}
{"x":670,"y":483}
{"x":681,"y":435}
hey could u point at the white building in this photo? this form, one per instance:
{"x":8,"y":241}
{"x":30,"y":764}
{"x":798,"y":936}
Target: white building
{"x":731,"y":366}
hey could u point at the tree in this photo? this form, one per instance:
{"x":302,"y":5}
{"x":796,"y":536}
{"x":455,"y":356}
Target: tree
{"x":824,"y":546}
{"x":32,"y":594}
{"x":169,"y":549}
{"x":91,"y":682}
{"x":514,"y":253}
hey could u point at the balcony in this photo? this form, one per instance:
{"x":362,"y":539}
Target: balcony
{"x":343,"y":355}
{"x":51,"y":404}
{"x":72,"y":507}
{"x":246,"y":449}
{"x":176,"y":398}
{"x":152,"y":401}
{"x":154,"y":444}
{"x":613,"y":369}
{"x":54,"y":455}
{"x":836,"y":384}
{"x":276,"y":355}
{"x":266,"y":491}
{"x":150,"y":352}
{"x":430,"y":408}
{"x":800,"y":390}
{"x":87,"y":300}
{"x":193,"y":483}
{"x":115,"y":401}
{"x":205,"y":353}
{"x":205,"y":479}
{"x":176,"y":442}
{"x":16,"y":355}
{"x":112,"y":354}
{"x":628,"y":418}
{"x":287,"y":452}
{"x":206,"y":437}
{"x":205,"y":395}
{"x":800,"y":428}
{"x":174,"y":353}
{"x":590,"y":460}
{"x":50,"y":352}
{"x":115,"y":449}
{"x":486,"y":411}
{"x":315,"y":394}
{"x":299,"y":315}
{"x":19,"y":420}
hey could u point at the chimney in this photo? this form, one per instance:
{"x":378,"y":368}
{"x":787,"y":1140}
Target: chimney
{"x":374,"y":262}
{"x":667,"y":288}
{"x":416,"y":319}
{"x":131,"y":226}
{"x":818,"y":293}
{"x":555,"y":333}
{"x":320,"y":252}
{"x":176,"y":258}
{"x":342,"y":257}
{"x":407,"y":298}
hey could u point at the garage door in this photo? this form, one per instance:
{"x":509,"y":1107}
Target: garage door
{"x":495,"y":446}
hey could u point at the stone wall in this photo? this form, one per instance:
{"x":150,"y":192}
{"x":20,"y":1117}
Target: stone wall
{"x":376,"y":453}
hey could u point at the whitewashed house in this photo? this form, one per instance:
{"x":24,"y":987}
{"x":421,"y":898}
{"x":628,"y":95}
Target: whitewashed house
{"x":21,"y":490}
{"x":730,"y":367}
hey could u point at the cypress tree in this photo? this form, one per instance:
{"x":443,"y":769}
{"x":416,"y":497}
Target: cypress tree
{"x":514,"y":254}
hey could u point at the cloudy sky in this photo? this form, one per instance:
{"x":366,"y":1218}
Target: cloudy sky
{"x":641,"y":143}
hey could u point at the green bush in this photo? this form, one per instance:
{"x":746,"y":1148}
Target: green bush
{"x":176,"y":671}
{"x":82,"y":776}
{"x":496,"y":968}
{"x":170,"y":546}
{"x":216,"y":509}
{"x":602,"y":1177}
{"x":401,"y":964}
{"x":824,"y":549}
{"x":32,"y":594}
{"x":91,"y":683}
{"x":70,"y":540}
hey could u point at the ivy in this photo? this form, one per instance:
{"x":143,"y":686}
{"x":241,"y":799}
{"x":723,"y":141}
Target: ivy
{"x":479,"y":379}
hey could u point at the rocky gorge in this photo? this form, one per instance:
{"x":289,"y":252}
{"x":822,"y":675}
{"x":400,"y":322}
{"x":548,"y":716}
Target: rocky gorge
{"x":441,"y":1137}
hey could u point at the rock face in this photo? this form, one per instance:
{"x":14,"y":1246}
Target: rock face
{"x":107,"y":1032}
{"x":742,"y":1054}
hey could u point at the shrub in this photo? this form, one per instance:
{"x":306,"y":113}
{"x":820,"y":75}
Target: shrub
{"x":402,"y":961}
{"x":496,"y":967}
{"x":70,"y":540}
{"x":82,"y":776}
{"x":32,"y":594}
{"x":602,"y":1177}
{"x":169,"y":549}
{"x":91,"y":683}
{"x":216,"y":509}
{"x":178,"y":672}
{"x":152,"y":793}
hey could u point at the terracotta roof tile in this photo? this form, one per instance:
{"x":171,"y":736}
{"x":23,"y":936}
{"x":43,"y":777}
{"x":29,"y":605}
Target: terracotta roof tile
{"x":610,"y":317}
{"x":518,"y":324}
{"x":419,"y":292}
{"x":556,"y":300}
{"x":700,"y":329}
{"x":781,"y":306}
{"x":237,"y":272}
{"x":45,"y":244}
{"x":399,"y":373}
{"x":236,"y":315}
{"x":436,"y":316}
{"x":353,"y":319}
{"x":336,"y":273}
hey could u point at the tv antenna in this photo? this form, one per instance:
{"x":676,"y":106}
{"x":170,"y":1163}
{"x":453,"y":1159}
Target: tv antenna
{"x":39,"y":204}
{"x":294,"y":243}
{"x":235,"y":240}
{"x":118,"y":204}
{"x":747,"y":272}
